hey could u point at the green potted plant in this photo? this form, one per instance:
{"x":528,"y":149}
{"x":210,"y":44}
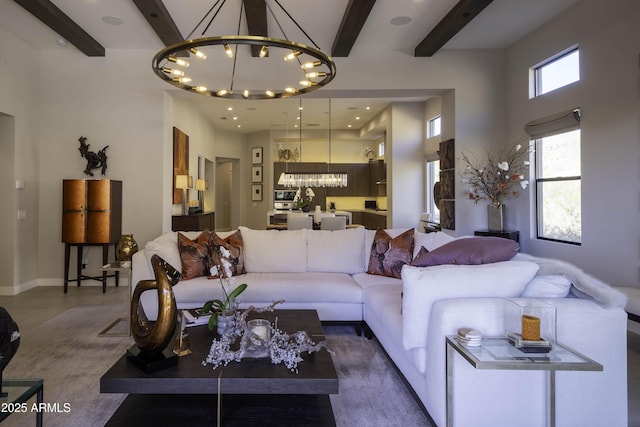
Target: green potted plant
{"x":218,"y":308}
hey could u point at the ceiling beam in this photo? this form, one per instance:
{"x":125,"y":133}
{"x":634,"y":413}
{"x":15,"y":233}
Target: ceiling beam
{"x":59,"y":22}
{"x":157,"y":15}
{"x":256,"y":13}
{"x":459,"y":16}
{"x":352,"y":22}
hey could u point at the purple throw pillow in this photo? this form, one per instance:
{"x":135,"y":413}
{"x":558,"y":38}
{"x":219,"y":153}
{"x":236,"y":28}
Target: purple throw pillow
{"x":468,"y":251}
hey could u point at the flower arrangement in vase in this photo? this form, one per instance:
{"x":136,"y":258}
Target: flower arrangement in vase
{"x":217,"y":308}
{"x":303,"y":202}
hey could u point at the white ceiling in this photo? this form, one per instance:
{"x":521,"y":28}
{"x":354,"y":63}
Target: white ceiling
{"x":501,"y":24}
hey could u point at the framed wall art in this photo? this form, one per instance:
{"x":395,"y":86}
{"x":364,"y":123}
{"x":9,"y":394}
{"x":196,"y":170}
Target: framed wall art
{"x":256,"y":156}
{"x":256,"y":174}
{"x":256,"y":192}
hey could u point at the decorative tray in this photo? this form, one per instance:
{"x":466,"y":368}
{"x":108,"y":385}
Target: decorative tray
{"x":527,"y":346}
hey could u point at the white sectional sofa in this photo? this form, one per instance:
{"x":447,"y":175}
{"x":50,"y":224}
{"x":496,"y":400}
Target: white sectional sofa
{"x":412,"y":315}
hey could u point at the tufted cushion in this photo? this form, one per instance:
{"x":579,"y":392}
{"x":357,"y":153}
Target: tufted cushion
{"x":268,"y":251}
{"x":339,"y":251}
{"x":468,"y":251}
{"x":389,"y":255}
{"x":195,"y":255}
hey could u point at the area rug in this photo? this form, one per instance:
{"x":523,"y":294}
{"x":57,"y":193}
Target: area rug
{"x":71,"y":357}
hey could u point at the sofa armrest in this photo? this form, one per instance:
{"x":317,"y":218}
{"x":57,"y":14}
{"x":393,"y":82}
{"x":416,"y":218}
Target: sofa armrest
{"x":140,"y":268}
{"x":424,"y":286}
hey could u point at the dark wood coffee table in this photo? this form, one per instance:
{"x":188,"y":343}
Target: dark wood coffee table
{"x":256,"y":392}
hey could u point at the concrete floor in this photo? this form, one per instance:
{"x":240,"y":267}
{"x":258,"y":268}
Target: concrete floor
{"x":34,"y":307}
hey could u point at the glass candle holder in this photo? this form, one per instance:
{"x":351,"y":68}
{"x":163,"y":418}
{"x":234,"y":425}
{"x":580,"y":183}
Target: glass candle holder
{"x":261,"y":328}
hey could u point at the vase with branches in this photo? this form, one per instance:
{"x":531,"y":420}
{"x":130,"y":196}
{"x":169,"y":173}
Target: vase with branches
{"x":502,"y":176}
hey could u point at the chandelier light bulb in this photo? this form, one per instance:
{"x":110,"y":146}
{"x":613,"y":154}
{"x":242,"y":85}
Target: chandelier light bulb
{"x":316,"y":74}
{"x":178,"y":61}
{"x":305,"y":83}
{"x":245,"y":93}
{"x":308,"y":65}
{"x":222,"y":92}
{"x":182,"y":79}
{"x":270,"y":93}
{"x":200,"y":89}
{"x":290,"y":89}
{"x":197,"y":53}
{"x":173,"y":72}
{"x":292,"y":55}
{"x":264,"y":51}
{"x":227,"y":50}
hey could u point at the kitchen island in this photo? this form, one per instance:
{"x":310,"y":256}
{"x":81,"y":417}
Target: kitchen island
{"x":280,"y":216}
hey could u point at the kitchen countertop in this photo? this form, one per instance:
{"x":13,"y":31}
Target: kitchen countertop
{"x":371,"y":211}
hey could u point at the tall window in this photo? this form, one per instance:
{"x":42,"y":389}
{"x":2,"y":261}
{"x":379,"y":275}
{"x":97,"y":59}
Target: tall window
{"x":558,"y":187}
{"x":433,"y":176}
{"x":434,"y":127}
{"x":556,"y":72}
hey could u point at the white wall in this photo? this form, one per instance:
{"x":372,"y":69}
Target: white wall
{"x":19,"y":73}
{"x":608,"y":34}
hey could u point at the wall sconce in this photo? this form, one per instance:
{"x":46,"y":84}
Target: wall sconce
{"x":182,"y":182}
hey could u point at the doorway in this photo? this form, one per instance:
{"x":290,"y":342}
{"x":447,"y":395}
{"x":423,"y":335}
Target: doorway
{"x":227,"y":207}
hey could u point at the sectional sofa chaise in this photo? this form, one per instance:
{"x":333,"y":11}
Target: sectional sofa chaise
{"x":359,"y":275}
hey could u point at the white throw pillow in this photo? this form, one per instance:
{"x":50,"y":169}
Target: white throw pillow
{"x":336,"y":251}
{"x":423,"y":286}
{"x":547,"y":286}
{"x":166,"y":247}
{"x":271,"y":251}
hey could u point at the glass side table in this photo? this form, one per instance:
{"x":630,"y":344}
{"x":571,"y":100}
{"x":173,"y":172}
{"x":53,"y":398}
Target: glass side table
{"x":497,"y":353}
{"x":18,"y":393}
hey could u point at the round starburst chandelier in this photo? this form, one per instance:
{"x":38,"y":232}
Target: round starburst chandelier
{"x":245,"y":66}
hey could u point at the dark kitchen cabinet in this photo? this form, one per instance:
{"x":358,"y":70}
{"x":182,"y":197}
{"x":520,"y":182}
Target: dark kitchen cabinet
{"x":357,"y":179}
{"x":374,"y":221}
{"x":377,"y":178}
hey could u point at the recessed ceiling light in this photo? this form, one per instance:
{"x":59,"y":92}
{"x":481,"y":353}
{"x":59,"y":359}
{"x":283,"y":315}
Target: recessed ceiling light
{"x":230,"y":108}
{"x":112,"y":20}
{"x":400,"y":20}
{"x":235,"y":117}
{"x":367,"y":108}
{"x":358,"y":118}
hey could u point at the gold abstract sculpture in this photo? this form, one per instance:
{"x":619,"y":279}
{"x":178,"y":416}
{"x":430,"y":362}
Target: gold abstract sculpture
{"x":153,"y":338}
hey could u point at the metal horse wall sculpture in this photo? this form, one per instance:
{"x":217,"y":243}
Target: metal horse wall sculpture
{"x":94,"y":160}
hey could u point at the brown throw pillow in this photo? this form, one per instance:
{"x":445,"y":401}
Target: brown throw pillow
{"x":468,"y":251}
{"x":194,"y":255}
{"x":389,"y":255}
{"x":234,"y":245}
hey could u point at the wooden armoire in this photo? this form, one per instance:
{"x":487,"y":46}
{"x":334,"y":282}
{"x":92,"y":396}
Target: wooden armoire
{"x":91,"y":211}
